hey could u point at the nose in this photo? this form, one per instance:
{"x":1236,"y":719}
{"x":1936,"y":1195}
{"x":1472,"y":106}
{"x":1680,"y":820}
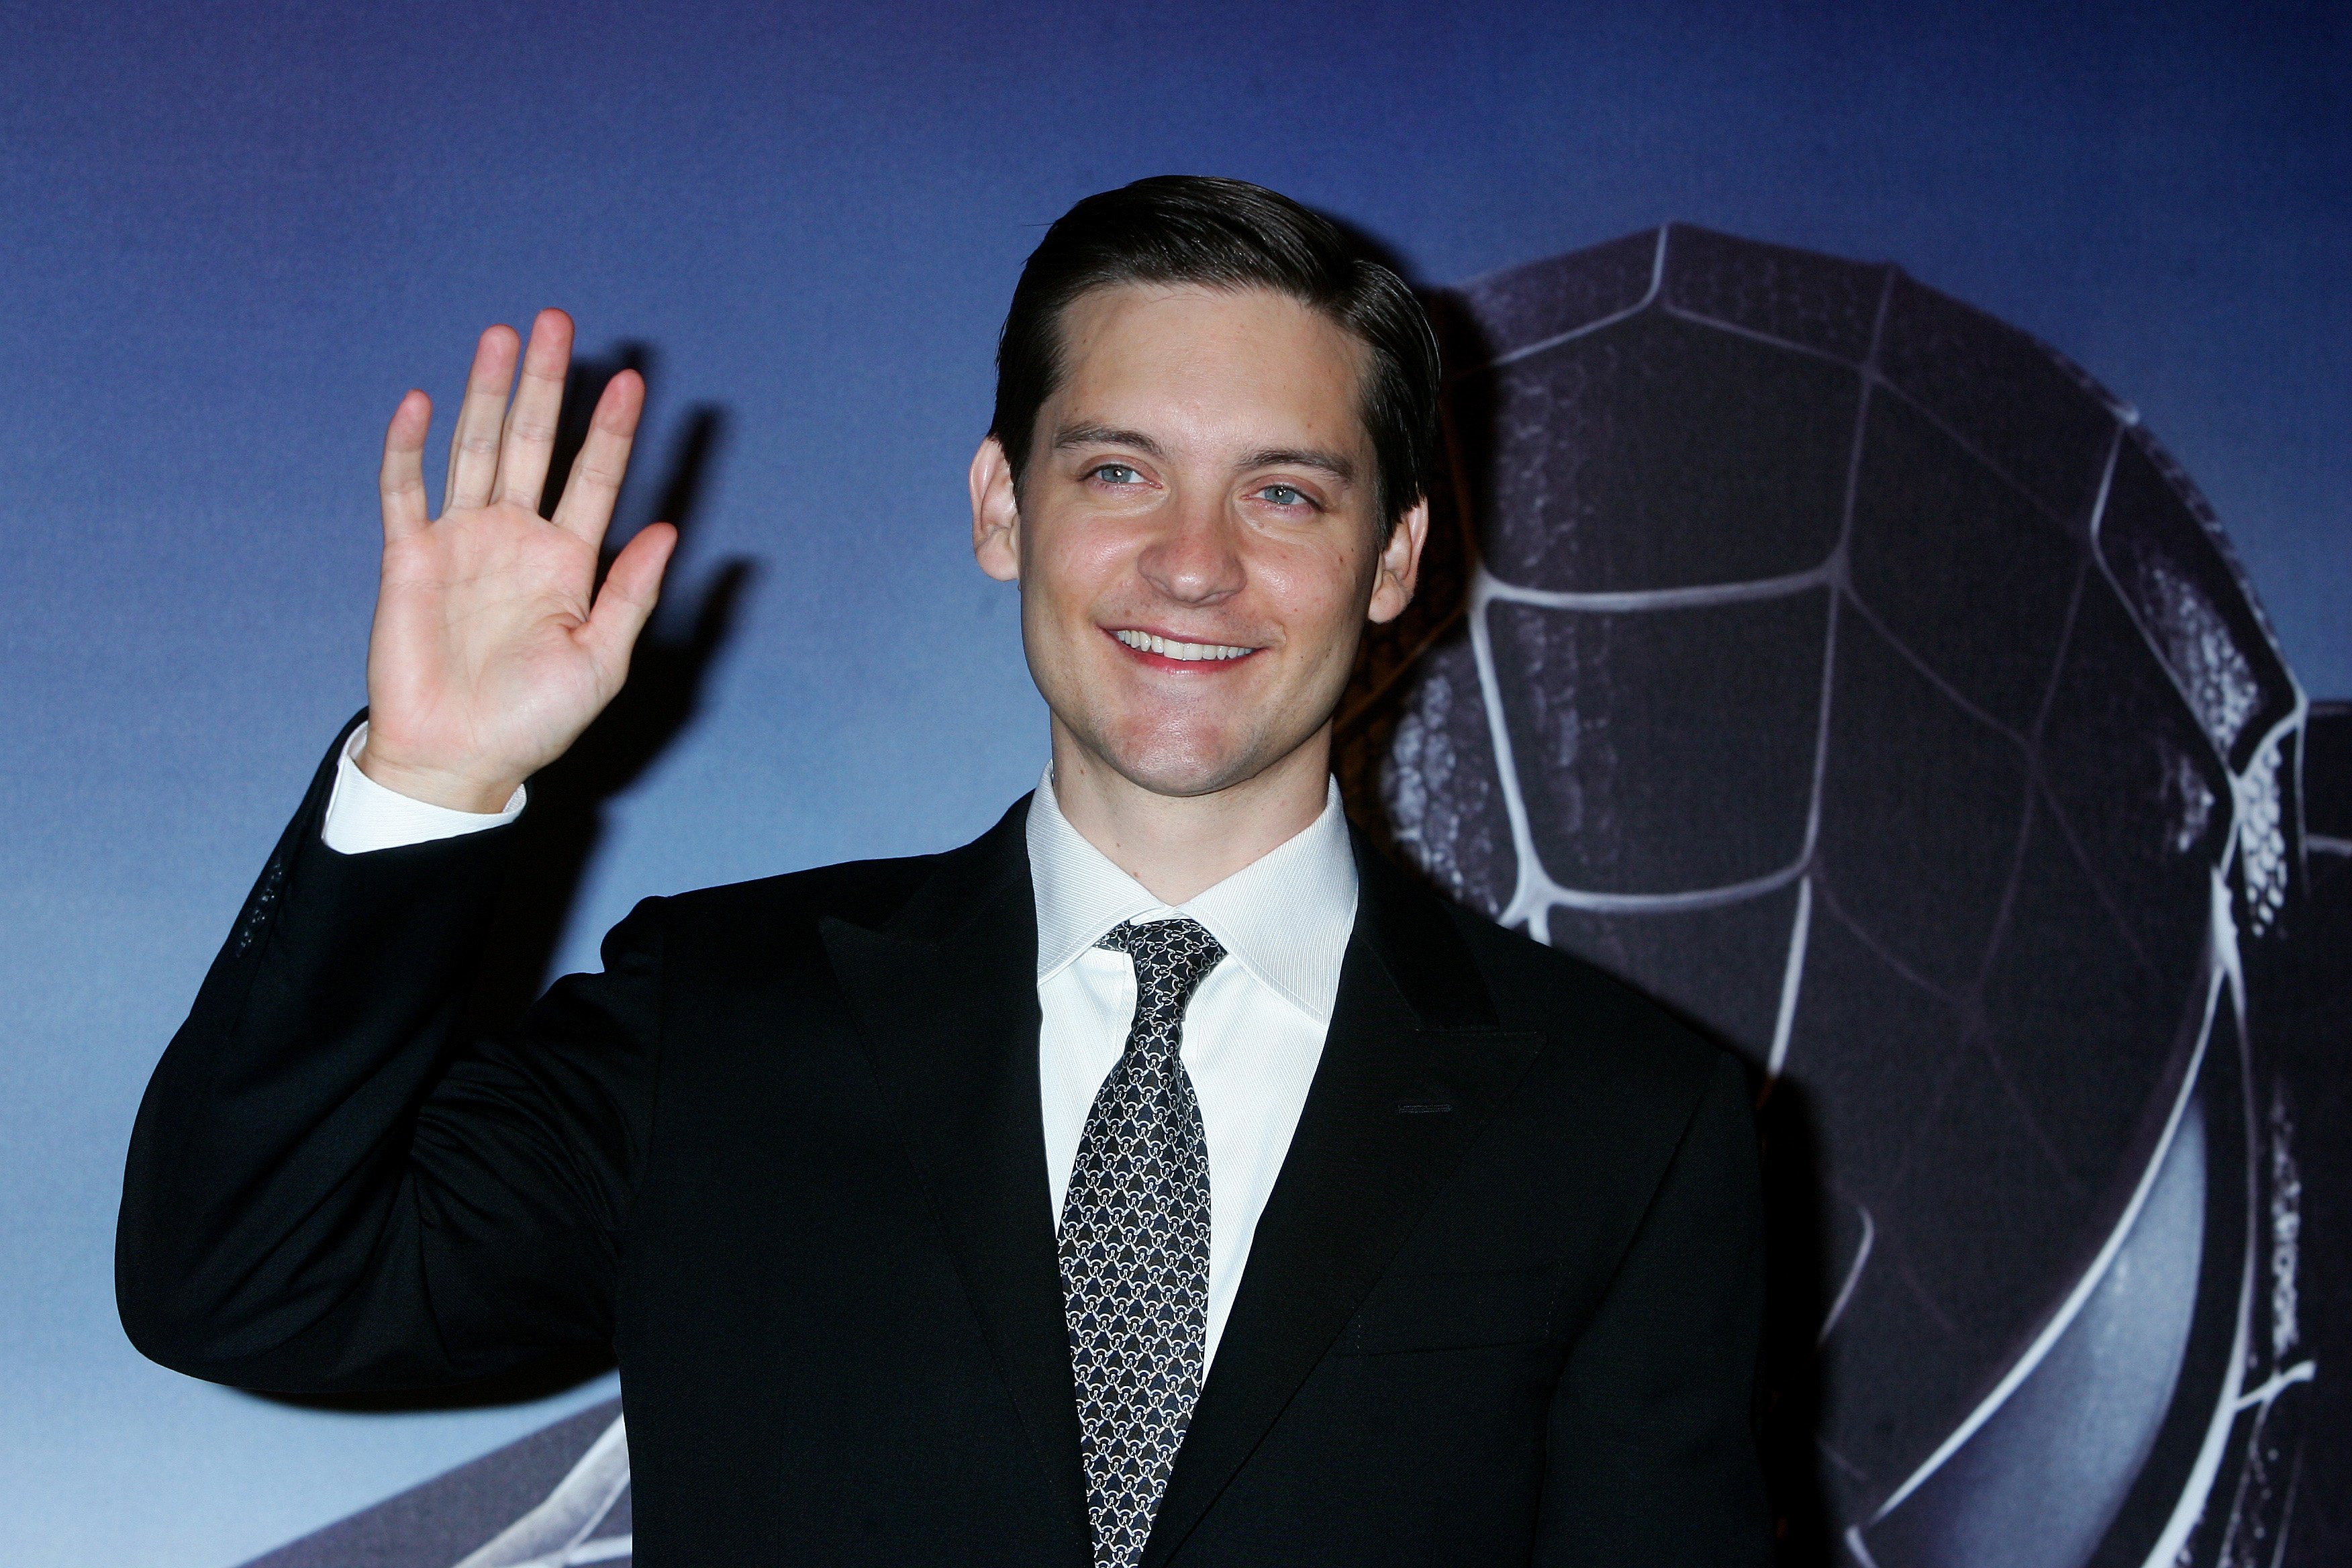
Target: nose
{"x":1195,"y":559}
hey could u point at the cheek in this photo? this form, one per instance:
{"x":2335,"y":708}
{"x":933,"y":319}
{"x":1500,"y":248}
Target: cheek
{"x":1317,"y":592}
{"x":1070,"y":570}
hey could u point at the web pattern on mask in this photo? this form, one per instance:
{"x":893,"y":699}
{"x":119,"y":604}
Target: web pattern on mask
{"x":1848,"y":669}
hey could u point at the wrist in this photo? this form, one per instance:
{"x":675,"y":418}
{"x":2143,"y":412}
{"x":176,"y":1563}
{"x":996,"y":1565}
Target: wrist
{"x":446,"y":788}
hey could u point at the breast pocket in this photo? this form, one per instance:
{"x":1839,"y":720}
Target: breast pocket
{"x":1454,"y":1312}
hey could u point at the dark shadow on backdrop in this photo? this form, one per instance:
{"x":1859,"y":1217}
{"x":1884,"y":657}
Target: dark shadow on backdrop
{"x":558,"y":835}
{"x":1790,"y":1390}
{"x":661,"y":697}
{"x":1790,"y":1395}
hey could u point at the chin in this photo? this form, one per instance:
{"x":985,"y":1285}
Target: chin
{"x":1184,"y":762}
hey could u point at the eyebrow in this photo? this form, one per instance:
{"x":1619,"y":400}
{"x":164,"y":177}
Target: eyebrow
{"x":1337,"y":465}
{"x":1105,"y":435}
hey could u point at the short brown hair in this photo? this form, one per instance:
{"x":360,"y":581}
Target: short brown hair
{"x":1226,"y":234}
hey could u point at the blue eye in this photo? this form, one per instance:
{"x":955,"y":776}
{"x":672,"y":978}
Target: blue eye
{"x":1284,"y":495}
{"x":1114,"y":474}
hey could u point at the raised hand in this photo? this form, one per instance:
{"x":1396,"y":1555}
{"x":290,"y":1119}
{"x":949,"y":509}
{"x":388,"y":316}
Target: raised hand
{"x":493,"y":647}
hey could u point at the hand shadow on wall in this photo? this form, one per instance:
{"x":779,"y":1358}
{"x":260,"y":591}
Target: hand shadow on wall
{"x":557,"y":837}
{"x":1790,"y":1394}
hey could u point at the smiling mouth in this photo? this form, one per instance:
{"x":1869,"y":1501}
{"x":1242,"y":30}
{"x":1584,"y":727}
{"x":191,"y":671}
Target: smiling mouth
{"x":1184,"y":652}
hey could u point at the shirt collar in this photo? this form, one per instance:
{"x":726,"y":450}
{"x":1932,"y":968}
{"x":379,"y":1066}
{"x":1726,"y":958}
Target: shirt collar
{"x":1286,"y":917}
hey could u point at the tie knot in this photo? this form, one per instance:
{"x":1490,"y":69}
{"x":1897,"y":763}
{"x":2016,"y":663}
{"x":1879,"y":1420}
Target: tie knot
{"x":1172,"y":958}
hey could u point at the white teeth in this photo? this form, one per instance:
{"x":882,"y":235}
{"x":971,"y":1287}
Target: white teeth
{"x":1168,"y":648}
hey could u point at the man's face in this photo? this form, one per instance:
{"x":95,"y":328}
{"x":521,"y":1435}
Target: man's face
{"x":1196,"y":539}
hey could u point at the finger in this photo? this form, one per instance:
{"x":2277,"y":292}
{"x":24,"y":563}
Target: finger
{"x":586,"y":508}
{"x":474,"y":444}
{"x":531,"y":422}
{"x":626,"y":601}
{"x":400,"y":483}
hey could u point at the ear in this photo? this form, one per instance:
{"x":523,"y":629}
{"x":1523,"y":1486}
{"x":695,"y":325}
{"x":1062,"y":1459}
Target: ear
{"x":995,"y":514}
{"x":1399,"y":565}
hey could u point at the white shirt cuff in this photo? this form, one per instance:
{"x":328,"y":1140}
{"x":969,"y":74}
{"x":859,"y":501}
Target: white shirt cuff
{"x":362,"y":815}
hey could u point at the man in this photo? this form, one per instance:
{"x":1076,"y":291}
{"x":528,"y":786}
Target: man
{"x":1161,"y":1178}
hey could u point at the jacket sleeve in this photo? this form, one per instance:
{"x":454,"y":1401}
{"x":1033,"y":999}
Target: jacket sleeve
{"x":329,"y":1188}
{"x":1651,"y":1453}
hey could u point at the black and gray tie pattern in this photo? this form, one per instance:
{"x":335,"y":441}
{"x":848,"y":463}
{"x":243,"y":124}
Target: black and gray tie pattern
{"x":1135,"y":1247}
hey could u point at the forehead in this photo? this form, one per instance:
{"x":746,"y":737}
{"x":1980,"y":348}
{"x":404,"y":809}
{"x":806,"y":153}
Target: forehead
{"x":1212,"y":367}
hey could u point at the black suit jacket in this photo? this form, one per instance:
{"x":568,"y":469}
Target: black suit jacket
{"x":784,"y":1153}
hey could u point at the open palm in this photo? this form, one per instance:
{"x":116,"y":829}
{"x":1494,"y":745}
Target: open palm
{"x":493,"y":647}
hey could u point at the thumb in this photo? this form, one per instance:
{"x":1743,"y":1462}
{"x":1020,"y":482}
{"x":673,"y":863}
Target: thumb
{"x":626,"y":601}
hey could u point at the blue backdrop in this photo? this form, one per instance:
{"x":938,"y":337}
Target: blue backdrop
{"x":233,"y":234}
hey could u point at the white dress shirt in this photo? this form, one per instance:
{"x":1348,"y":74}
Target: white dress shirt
{"x":1252,"y":1034}
{"x":363,"y":814}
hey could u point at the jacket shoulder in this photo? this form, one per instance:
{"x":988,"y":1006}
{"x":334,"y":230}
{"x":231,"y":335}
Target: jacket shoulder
{"x":862,"y":892}
{"x":1606,"y":1023}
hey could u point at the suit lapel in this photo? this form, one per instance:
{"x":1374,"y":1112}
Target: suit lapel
{"x":945,"y":994}
{"x":1413,"y":1026}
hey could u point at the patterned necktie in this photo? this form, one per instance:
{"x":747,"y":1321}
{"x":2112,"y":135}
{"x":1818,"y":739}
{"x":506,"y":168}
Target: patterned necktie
{"x":1135,"y":1247}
